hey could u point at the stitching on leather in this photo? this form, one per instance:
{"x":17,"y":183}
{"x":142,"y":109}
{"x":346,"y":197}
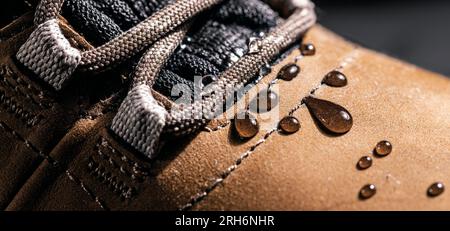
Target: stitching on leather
{"x":217,"y":128}
{"x":16,"y":89}
{"x":91,"y":195}
{"x":137,"y":168}
{"x":19,"y":112}
{"x":5,"y":71}
{"x":28,"y":144}
{"x":351,"y":57}
{"x":99,"y":172}
{"x":136,"y":175}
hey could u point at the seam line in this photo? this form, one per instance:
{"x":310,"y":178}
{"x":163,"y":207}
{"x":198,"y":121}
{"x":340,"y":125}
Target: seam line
{"x":202,"y":195}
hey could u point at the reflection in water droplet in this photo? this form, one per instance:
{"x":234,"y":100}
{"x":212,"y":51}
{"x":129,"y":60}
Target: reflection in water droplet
{"x":308,"y":49}
{"x":289,"y":72}
{"x":365,"y":162}
{"x":436,"y":189}
{"x":335,"y":79}
{"x":289,"y":125}
{"x":367,"y":191}
{"x":246,"y":125}
{"x":333,"y":117}
{"x":383,"y":148}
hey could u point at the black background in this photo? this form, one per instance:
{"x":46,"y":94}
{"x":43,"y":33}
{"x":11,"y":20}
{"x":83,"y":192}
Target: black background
{"x":412,"y":30}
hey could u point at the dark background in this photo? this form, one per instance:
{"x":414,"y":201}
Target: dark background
{"x":415,"y":31}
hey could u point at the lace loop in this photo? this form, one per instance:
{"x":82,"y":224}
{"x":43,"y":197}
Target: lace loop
{"x":185,"y":119}
{"x":116,"y":51}
{"x":140,"y":120}
{"x":240,"y":73}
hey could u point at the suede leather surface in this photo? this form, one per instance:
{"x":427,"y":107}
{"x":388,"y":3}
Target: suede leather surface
{"x":33,"y":119}
{"x":309,"y":170}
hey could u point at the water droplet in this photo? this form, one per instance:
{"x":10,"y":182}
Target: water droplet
{"x":383,"y":148}
{"x":254,"y":45}
{"x":335,"y":79}
{"x":246,"y":125}
{"x":365,"y":162}
{"x":367,"y":191}
{"x":289,"y":72}
{"x":436,"y":189}
{"x":265,"y":101}
{"x":239,"y":52}
{"x":289,"y":125}
{"x":333,"y":117}
{"x":308,"y":49}
{"x":265,"y":70}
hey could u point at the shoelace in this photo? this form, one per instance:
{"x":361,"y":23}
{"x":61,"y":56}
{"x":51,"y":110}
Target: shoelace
{"x":218,"y":39}
{"x":57,"y":65}
{"x":141,"y":120}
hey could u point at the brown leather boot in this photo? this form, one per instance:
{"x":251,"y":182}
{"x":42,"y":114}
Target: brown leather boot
{"x":51,"y":159}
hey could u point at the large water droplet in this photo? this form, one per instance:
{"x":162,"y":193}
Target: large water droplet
{"x":289,"y":125}
{"x":383,"y":148}
{"x":246,"y":125}
{"x":367,"y":191}
{"x":436,"y":189}
{"x":333,"y":117}
{"x":335,"y":79}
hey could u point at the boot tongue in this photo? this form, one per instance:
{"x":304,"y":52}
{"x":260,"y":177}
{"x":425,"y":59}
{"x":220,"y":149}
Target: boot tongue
{"x":218,"y":38}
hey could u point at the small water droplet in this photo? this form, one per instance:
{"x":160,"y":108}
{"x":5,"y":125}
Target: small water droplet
{"x":367,"y":191}
{"x":365,"y":162}
{"x":333,"y":117}
{"x":254,"y":45}
{"x":436,"y":189}
{"x":308,"y":49}
{"x":246,"y":125}
{"x":289,"y":72}
{"x":335,"y":79}
{"x":265,"y":101}
{"x":289,"y":125}
{"x":239,"y":52}
{"x":271,"y":101}
{"x":265,"y":70}
{"x":383,"y":148}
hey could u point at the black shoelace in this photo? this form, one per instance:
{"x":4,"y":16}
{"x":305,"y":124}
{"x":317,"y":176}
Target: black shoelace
{"x":218,"y":41}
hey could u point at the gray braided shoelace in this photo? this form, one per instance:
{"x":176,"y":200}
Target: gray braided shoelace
{"x":141,"y":120}
{"x":57,"y":65}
